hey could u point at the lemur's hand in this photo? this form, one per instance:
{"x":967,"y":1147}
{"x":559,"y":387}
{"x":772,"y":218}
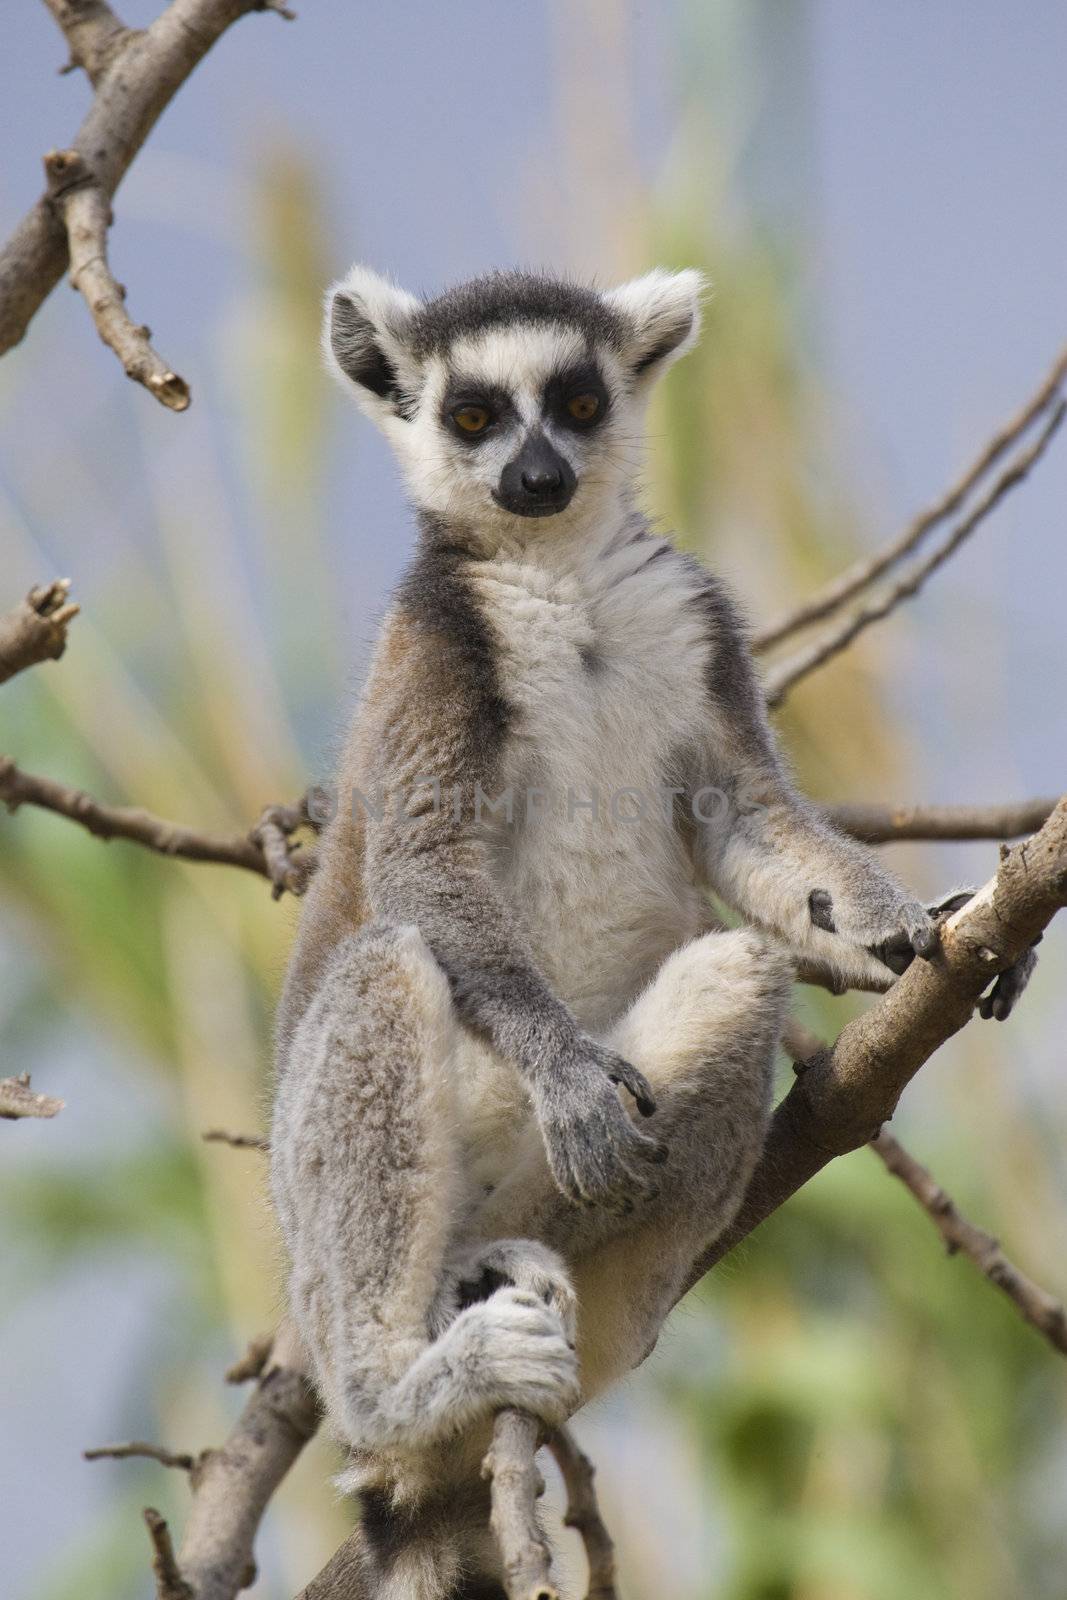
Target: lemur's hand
{"x":894,"y":930}
{"x":597,"y":1155}
{"x":915,"y":930}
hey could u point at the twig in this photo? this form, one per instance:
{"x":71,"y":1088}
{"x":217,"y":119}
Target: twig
{"x":253,"y":1361}
{"x":239,"y":1141}
{"x":138,"y":1447}
{"x":133,"y":86}
{"x":779,"y":682}
{"x":93,"y":32}
{"x":1035,"y":1304}
{"x":289,"y":869}
{"x":845,"y":1093}
{"x":86,"y":213}
{"x":583,"y":1513}
{"x":516,"y":1485}
{"x":881,"y":824}
{"x":170,"y":1585}
{"x":860,"y":576}
{"x":37,"y":628}
{"x":18,"y":1100}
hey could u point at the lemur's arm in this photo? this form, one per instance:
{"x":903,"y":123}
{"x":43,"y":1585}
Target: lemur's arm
{"x":768,"y":853}
{"x":430,"y":739}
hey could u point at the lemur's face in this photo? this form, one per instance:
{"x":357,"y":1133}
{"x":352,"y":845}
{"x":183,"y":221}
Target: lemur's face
{"x":514,"y":396}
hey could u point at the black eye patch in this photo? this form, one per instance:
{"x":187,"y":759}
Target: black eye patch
{"x":475,"y":394}
{"x":580,"y":383}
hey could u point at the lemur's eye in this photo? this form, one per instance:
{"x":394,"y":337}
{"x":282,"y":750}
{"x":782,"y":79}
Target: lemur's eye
{"x":472,"y":419}
{"x":583,"y":407}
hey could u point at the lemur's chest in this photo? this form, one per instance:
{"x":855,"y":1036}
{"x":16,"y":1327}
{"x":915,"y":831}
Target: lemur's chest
{"x":605,"y":674}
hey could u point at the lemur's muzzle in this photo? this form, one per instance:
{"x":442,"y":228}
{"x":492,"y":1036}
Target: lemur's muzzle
{"x":537,"y":482}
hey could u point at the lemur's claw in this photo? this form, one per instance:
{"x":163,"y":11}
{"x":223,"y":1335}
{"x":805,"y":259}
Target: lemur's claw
{"x":925,"y":942}
{"x":637,"y":1084}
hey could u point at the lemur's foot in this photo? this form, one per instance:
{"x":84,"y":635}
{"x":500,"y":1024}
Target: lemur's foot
{"x":507,"y":1263}
{"x":512,"y":1350}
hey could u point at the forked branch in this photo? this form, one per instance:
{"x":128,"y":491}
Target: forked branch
{"x":864,"y":573}
{"x":782,"y":679}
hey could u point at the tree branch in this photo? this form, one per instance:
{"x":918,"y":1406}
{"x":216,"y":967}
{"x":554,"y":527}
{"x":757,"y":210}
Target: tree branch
{"x":1035,"y":1304}
{"x":780,"y":681}
{"x":142,"y":73}
{"x":138,"y":1447}
{"x":86,"y":214}
{"x":860,"y":576}
{"x":37,"y":628}
{"x":170,"y":1585}
{"x":93,"y":33}
{"x":286,"y":868}
{"x":516,"y":1485}
{"x":843,"y":1095}
{"x":583,"y":1514}
{"x":18,"y":1100}
{"x":233,"y":1484}
{"x":882,"y":824}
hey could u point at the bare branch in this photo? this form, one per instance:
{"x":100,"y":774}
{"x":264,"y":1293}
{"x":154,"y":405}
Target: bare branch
{"x":583,"y":1514}
{"x":18,"y":1100}
{"x":86,"y":214}
{"x":844,"y":1094}
{"x":779,"y":682}
{"x":1038,"y":1307}
{"x":93,"y":32}
{"x":145,"y":70}
{"x":292,"y":866}
{"x":1035,"y":1304}
{"x":137,"y":1447}
{"x":37,"y":628}
{"x":233,"y":1484}
{"x":516,"y":1485}
{"x":881,"y":824}
{"x":860,"y":576}
{"x":170,"y":1585}
{"x":238,"y":1141}
{"x":253,"y":1361}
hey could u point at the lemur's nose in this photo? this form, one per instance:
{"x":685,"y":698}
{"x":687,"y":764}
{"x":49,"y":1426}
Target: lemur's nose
{"x":542,"y":480}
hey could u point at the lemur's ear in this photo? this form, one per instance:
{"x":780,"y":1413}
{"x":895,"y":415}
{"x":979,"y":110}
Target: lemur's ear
{"x":662,"y":310}
{"x":365,"y":338}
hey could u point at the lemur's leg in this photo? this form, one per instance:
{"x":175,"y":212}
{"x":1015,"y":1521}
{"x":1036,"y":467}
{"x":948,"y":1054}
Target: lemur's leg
{"x":704,"y":1033}
{"x":368,"y":1188}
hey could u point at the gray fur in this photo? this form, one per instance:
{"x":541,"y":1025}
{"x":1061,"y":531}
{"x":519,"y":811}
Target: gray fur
{"x":481,"y":1002}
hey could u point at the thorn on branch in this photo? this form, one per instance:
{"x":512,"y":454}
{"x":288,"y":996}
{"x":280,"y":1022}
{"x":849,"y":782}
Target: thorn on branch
{"x":170,"y":1585}
{"x":237,"y":1141}
{"x":253,"y":1361}
{"x":139,"y":1448}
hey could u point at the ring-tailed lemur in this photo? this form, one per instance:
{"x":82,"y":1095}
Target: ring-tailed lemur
{"x":562,"y":744}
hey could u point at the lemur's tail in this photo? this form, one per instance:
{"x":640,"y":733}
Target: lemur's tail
{"x":437,"y":1549}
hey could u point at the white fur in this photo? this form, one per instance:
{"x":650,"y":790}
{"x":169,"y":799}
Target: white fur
{"x":662,"y":307}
